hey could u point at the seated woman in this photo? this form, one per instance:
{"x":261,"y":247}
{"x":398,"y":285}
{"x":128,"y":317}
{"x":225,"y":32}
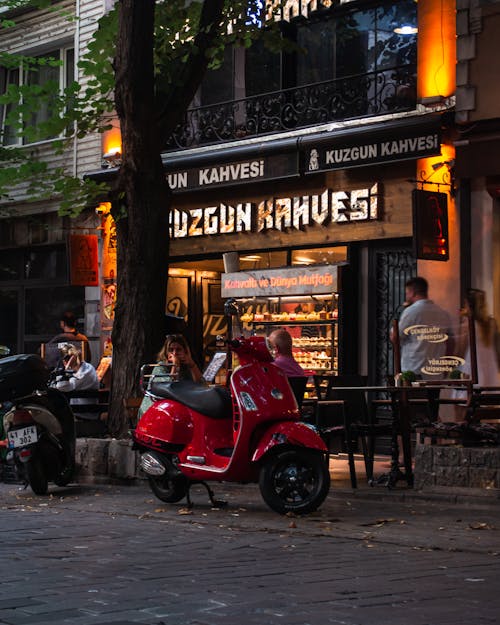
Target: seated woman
{"x":174,"y":363}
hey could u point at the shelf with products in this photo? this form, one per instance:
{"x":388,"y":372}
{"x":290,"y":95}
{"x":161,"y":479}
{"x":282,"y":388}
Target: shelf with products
{"x":312,"y":322}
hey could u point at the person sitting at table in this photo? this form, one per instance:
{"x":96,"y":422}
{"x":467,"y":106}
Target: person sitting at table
{"x":78,"y":375}
{"x":174,"y":362}
{"x":281,"y":343}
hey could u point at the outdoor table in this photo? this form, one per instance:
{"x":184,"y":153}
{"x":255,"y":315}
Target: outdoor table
{"x":401,"y":423}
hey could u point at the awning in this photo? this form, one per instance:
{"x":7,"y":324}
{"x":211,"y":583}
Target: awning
{"x":381,"y":142}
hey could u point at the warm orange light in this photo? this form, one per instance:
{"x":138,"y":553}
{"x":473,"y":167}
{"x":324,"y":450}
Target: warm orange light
{"x":112,"y":140}
{"x":436,"y":48}
{"x":429,"y":169}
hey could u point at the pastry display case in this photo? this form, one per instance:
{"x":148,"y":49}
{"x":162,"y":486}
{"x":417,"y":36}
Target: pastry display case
{"x":311,"y":320}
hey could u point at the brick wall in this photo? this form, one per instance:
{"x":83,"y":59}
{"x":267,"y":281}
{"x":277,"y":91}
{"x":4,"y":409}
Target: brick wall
{"x":454,"y":466}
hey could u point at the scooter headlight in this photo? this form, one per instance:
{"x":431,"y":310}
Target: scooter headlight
{"x":151,"y":465}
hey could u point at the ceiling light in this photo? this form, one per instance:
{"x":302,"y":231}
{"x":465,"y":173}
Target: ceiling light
{"x":406,"y":29}
{"x":304,"y":259}
{"x":251,"y":258}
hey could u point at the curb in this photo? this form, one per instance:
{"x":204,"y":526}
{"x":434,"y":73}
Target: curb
{"x":112,"y":461}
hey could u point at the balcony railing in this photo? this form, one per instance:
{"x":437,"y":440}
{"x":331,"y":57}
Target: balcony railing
{"x":364,"y":95}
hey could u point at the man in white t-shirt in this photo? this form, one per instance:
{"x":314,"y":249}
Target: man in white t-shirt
{"x":424,"y":330}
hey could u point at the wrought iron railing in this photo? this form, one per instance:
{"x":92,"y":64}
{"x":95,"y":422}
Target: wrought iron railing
{"x":365,"y":95}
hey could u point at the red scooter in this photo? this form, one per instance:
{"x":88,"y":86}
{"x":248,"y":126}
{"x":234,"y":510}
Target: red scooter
{"x":252,"y":433}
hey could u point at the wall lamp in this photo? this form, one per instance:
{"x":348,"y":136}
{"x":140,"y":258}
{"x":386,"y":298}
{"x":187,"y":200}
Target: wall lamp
{"x":449,"y":164}
{"x":448,"y":177}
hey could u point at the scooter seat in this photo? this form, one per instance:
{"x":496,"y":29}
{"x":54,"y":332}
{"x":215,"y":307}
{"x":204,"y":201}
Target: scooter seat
{"x":212,"y":401}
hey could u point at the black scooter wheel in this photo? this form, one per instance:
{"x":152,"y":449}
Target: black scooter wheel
{"x":37,"y":477}
{"x":167,"y":488}
{"x":65,"y":477}
{"x":296,"y":481}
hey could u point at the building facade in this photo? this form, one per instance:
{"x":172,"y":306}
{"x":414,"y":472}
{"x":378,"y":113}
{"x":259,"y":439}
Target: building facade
{"x":39,"y":250}
{"x":311,"y":158}
{"x":291,"y":160}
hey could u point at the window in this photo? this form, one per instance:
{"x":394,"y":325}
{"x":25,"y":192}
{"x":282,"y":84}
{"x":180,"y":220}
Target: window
{"x":262,"y":70}
{"x":44,"y":262}
{"x":218,"y":85}
{"x":356,"y":43}
{"x":56,"y":67}
{"x":334,"y":45}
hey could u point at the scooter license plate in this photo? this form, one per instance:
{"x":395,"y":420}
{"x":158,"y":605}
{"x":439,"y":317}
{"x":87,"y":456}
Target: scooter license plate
{"x":22,"y":437}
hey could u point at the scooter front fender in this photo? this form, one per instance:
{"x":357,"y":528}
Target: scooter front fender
{"x":288,"y":433}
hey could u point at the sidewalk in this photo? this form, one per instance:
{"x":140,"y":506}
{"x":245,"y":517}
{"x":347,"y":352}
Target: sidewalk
{"x":397,"y":517}
{"x":463,"y":496}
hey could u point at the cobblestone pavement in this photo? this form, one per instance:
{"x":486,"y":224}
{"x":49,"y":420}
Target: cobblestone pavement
{"x":99,"y":555}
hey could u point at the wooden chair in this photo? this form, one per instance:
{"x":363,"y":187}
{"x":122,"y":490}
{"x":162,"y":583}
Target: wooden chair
{"x":131,"y":406}
{"x":355,"y":420}
{"x":298,"y":385}
{"x":334,"y":413}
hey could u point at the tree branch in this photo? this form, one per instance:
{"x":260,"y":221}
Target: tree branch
{"x":175,"y":103}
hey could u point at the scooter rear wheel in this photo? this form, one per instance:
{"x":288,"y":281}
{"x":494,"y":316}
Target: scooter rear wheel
{"x":296,"y":480}
{"x":37,"y":477}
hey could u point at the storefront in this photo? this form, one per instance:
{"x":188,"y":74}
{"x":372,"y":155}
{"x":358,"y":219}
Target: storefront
{"x":332,"y":201}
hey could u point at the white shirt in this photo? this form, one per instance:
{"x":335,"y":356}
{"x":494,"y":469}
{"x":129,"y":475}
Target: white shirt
{"x":83,"y":379}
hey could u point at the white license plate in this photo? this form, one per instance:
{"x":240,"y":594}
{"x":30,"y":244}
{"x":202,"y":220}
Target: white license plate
{"x":22,"y":437}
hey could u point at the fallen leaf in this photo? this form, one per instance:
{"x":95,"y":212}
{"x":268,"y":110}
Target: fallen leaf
{"x":292,"y":524}
{"x":184,"y":511}
{"x":481,"y":526}
{"x":380,"y":522}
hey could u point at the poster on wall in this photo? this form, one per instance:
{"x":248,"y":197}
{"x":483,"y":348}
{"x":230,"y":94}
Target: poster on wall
{"x":108,"y":284}
{"x":83,"y":260}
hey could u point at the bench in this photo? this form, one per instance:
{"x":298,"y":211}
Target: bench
{"x":90,"y":418}
{"x":481,"y":425}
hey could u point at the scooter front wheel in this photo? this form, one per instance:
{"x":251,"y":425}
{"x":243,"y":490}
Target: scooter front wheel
{"x":296,"y":480}
{"x":167,"y":487}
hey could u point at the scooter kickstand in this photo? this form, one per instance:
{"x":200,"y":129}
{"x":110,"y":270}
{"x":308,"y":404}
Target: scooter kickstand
{"x":216,"y":503}
{"x":188,"y":498}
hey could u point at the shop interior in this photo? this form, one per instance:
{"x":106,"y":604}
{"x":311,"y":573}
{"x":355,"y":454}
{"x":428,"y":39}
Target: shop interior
{"x":194,"y":294}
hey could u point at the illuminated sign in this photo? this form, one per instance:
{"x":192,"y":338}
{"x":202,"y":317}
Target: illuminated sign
{"x":289,"y":213}
{"x":361,"y":149}
{"x":430,"y":225}
{"x":228,"y":174}
{"x":279,"y":282}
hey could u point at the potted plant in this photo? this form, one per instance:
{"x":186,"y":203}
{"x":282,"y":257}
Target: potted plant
{"x":455,"y":374}
{"x":407,"y":377}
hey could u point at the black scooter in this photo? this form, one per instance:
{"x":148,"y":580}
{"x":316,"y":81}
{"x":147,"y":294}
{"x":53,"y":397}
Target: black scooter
{"x":39,"y":426}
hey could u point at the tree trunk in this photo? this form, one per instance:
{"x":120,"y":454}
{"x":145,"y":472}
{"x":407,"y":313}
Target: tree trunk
{"x":140,"y":206}
{"x":141,"y":198}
